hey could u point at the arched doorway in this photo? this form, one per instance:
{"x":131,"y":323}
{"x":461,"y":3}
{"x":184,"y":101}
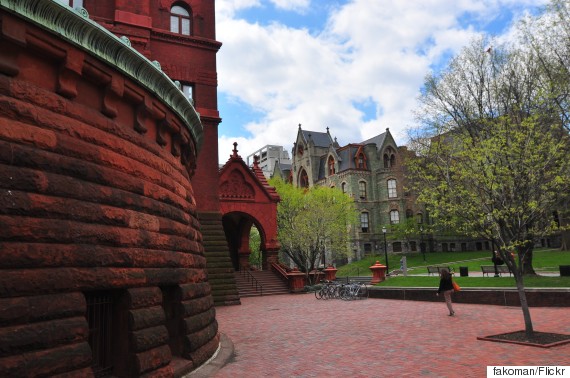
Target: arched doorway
{"x":238,"y":228}
{"x":247,"y":201}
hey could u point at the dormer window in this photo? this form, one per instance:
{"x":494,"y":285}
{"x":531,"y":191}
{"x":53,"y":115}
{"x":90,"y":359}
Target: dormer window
{"x":331,"y":166}
{"x":179,"y":20}
{"x":360,"y":161}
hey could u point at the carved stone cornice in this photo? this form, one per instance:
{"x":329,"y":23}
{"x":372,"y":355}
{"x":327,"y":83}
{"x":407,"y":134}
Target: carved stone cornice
{"x":74,"y":26}
{"x":186,"y":40}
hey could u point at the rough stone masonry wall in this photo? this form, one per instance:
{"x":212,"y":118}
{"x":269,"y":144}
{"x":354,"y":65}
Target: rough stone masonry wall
{"x":95,"y":196}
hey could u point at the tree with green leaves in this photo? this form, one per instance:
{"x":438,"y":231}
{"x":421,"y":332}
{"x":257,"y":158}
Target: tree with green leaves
{"x":547,"y":40}
{"x":491,"y":155}
{"x":312,"y":222}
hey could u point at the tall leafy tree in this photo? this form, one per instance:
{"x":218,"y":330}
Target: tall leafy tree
{"x":546,"y":38}
{"x":312,"y":222}
{"x":492,"y":157}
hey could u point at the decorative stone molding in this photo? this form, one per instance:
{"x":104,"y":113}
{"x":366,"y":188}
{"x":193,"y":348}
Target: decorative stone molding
{"x":73,"y":27}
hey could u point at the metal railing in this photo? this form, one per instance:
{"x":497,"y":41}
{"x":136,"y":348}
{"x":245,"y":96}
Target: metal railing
{"x":254,"y":282}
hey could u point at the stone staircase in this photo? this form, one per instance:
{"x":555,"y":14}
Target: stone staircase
{"x":268,"y":283}
{"x":218,"y":261}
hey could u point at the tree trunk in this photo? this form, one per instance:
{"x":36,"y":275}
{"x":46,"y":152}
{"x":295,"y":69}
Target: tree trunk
{"x":517,"y":273}
{"x":526,"y":261}
{"x":524,"y":306}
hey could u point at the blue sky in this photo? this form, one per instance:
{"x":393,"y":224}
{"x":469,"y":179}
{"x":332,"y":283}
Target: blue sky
{"x":355,"y":66}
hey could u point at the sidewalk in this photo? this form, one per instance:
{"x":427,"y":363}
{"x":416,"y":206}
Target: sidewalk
{"x":300,"y":336}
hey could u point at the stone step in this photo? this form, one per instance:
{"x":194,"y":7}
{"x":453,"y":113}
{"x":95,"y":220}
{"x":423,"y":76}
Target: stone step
{"x":269,"y":282}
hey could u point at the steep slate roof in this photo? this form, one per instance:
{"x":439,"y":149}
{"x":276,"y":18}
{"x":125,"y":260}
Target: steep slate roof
{"x":346,"y":154}
{"x":378,"y":140}
{"x":318,"y":138}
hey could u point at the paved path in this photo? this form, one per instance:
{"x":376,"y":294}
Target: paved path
{"x":300,"y":336}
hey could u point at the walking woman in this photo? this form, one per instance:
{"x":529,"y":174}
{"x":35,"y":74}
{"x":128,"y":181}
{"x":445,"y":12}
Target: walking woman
{"x":446,"y":286}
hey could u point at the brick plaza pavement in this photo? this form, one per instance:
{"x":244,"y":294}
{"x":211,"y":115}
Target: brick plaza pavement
{"x":300,"y":336}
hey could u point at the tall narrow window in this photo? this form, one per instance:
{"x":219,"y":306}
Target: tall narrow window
{"x":343,"y":187}
{"x":394,"y":217}
{"x":362,"y":189}
{"x":99,"y":317}
{"x":364,"y":222}
{"x":303,"y":179}
{"x":179,"y":20}
{"x":172,"y":312}
{"x":392,"y":192}
{"x":331,"y":166}
{"x":188,"y":90}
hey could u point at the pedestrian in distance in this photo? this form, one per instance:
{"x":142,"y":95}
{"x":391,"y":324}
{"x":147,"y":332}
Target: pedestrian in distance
{"x":446,"y":287}
{"x":497,"y":260}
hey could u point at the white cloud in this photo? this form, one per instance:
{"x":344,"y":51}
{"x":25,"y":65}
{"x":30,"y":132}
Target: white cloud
{"x":292,"y":5}
{"x":377,"y":51}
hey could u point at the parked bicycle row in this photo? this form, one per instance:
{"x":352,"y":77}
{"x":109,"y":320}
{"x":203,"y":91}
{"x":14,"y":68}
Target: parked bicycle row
{"x":344,"y":291}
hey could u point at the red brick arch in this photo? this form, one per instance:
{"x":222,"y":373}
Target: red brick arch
{"x":246,"y":199}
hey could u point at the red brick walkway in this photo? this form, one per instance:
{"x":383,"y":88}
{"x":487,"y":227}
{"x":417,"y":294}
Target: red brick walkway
{"x":300,"y":336}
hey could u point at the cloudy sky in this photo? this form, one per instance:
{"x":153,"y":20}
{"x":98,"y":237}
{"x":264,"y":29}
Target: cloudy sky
{"x":355,"y":66}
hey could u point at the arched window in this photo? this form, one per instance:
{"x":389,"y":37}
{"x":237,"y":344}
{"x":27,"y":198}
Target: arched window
{"x":179,"y":20}
{"x":362,"y":189}
{"x":331,"y":166}
{"x":394,"y":217}
{"x":389,"y":158}
{"x":364,"y":222}
{"x":343,"y":187}
{"x":420,"y":218}
{"x":303,"y":179}
{"x":392,"y":190}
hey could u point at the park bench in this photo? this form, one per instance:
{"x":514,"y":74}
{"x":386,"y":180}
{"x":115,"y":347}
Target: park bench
{"x":437,"y":269}
{"x":490,"y":269}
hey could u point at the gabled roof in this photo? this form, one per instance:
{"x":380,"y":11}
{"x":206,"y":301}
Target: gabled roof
{"x":319,"y":139}
{"x":247,"y":182}
{"x":378,"y":140}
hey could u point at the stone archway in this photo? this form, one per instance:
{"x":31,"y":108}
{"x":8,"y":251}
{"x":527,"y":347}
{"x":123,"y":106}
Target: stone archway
{"x":237,"y":227}
{"x":246,"y":199}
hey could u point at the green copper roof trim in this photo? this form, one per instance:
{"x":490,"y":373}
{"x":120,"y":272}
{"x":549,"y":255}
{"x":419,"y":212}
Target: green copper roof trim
{"x":75,"y":27}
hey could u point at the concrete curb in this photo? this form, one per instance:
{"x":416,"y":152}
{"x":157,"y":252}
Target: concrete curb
{"x":223,"y":356}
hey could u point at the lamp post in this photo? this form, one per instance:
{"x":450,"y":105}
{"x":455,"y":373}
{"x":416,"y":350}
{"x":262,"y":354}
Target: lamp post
{"x":385,"y":249}
{"x":422,"y":246}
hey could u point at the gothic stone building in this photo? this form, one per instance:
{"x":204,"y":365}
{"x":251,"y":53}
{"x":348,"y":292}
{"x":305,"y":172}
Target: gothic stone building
{"x":371,"y":172}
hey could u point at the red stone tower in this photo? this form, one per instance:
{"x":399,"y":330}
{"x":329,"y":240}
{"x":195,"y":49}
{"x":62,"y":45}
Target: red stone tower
{"x":180,"y":36}
{"x":102,"y":266}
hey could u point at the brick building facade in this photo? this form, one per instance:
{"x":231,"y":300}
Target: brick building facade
{"x":103,"y":162}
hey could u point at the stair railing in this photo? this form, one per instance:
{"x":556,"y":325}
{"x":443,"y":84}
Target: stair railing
{"x":254,"y":282}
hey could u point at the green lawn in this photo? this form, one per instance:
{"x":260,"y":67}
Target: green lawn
{"x":545,"y":260}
